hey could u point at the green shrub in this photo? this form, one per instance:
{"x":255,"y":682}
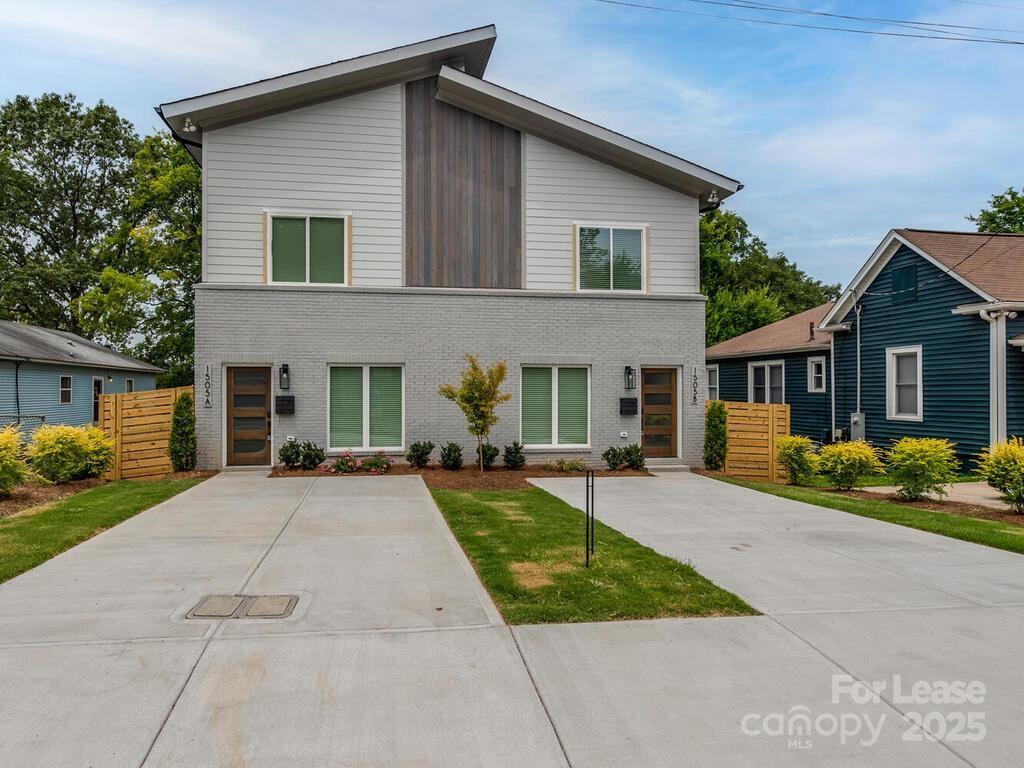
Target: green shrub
{"x":613,"y":457}
{"x":60,"y":452}
{"x":633,"y":456}
{"x":418,"y":454}
{"x":451,"y":456}
{"x":716,"y":434}
{"x":182,"y":442}
{"x":489,"y":454}
{"x":378,"y":464}
{"x":797,"y":455}
{"x":1002,"y":466}
{"x":345,"y":464}
{"x":920,"y":465}
{"x":566,"y":465}
{"x":844,"y":464}
{"x":515,"y":456}
{"x":311,"y":455}
{"x":13,"y":469}
{"x":289,"y":454}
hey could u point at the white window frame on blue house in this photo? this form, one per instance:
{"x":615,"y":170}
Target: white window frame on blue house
{"x":61,"y":389}
{"x":812,"y":375}
{"x":717,"y":385}
{"x":891,"y":404}
{"x":767,"y":365}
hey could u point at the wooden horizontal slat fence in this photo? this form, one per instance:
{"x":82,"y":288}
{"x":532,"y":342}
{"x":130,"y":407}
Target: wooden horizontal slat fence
{"x":139,"y":423}
{"x":753,"y":429}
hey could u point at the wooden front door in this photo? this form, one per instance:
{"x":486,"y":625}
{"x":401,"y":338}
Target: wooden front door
{"x":248,"y":415}
{"x":658,"y":412}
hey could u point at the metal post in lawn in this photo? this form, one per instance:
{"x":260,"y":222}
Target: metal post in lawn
{"x":588,"y":545}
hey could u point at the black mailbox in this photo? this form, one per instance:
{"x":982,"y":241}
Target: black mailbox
{"x":627,"y":406}
{"x":284,"y":404}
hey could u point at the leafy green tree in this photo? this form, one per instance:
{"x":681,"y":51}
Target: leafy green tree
{"x":65,"y":179}
{"x":148,"y":304}
{"x":1004,"y":214}
{"x":182,"y":442}
{"x":479,"y":395}
{"x":729,"y":314}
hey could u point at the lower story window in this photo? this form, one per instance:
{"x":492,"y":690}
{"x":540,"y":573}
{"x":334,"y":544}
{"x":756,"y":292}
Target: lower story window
{"x":713,"y":382}
{"x":555,"y":409}
{"x":767,"y":383}
{"x":366,"y":407}
{"x":904,"y":385}
{"x":65,"y":390}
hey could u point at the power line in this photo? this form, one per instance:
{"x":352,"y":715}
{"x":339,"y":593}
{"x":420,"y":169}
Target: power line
{"x":944,"y":273}
{"x":988,"y":5}
{"x":743,"y":19}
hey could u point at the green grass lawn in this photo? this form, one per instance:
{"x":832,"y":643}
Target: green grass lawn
{"x":875,"y":481}
{"x":33,"y":538}
{"x":991,"y":533}
{"x":527,"y":547}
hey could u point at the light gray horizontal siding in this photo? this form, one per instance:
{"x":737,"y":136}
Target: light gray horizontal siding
{"x":563,"y":186}
{"x":343,"y":155}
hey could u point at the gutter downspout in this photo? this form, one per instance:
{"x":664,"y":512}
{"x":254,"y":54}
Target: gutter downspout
{"x":857,"y":309}
{"x":17,"y":389}
{"x":997,"y":372}
{"x":832,"y":376}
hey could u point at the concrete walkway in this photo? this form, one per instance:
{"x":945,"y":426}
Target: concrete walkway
{"x":393,"y":656}
{"x":843,"y":595}
{"x":975,"y":492}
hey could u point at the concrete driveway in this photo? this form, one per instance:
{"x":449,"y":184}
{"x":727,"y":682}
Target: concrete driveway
{"x":843,"y":595}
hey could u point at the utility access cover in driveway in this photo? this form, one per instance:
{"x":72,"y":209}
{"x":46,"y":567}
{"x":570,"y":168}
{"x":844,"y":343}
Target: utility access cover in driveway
{"x":244,"y":607}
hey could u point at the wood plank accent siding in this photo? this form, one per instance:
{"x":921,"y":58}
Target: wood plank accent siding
{"x":139,"y":423}
{"x":753,"y":429}
{"x":463,"y":196}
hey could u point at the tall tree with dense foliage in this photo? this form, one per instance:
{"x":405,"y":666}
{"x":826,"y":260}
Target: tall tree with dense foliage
{"x":1005,"y":213}
{"x":746,"y":286}
{"x":65,"y":180}
{"x":147,"y":305}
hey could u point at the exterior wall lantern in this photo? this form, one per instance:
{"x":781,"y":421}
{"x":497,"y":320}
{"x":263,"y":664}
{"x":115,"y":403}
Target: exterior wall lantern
{"x":284,"y":377}
{"x":630,"y":377}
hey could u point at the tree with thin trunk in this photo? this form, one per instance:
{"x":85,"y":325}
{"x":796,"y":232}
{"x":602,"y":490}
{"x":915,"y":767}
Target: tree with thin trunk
{"x":479,"y":395}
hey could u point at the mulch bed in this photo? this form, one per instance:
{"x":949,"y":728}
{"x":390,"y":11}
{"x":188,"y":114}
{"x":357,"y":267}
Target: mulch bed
{"x":467,"y":478}
{"x":30,"y":495}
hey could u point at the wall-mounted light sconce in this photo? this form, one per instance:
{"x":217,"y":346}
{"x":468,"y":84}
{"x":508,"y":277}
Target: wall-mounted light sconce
{"x":110,"y":377}
{"x":630,"y":377}
{"x":284,"y":377}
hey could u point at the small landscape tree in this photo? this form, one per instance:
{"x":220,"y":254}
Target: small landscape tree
{"x":479,"y":395}
{"x":182,"y":442}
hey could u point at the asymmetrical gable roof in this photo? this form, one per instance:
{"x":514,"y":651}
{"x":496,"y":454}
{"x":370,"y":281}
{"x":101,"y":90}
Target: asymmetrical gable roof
{"x":29,"y":342}
{"x":791,"y":334}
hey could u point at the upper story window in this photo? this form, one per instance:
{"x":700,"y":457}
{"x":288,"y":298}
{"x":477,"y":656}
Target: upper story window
{"x":904,"y":284}
{"x":65,"y":390}
{"x":308,"y":249}
{"x":816,"y":374}
{"x":713,"y":382}
{"x":904,"y":390}
{"x":611,"y":258}
{"x":767,"y":382}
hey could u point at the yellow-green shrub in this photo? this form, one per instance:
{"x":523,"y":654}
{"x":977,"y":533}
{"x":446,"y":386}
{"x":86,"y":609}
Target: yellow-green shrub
{"x":1002,"y":466}
{"x":60,"y":452}
{"x":920,"y":465}
{"x":13,"y":469}
{"x":844,"y":464}
{"x":797,"y":455}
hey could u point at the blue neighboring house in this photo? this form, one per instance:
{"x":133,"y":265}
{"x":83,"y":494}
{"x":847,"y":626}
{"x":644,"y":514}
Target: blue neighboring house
{"x":57,"y":377}
{"x":785,"y":362}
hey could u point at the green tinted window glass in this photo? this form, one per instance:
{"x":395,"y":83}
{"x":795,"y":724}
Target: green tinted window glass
{"x":385,"y":407}
{"x":326,"y":250}
{"x":594,"y":253}
{"x":288,"y":250}
{"x":573,"y":409}
{"x":627,"y":245}
{"x":346,"y":427}
{"x":536,"y":406}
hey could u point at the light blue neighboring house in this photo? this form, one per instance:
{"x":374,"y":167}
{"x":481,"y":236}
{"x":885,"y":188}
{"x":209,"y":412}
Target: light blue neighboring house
{"x":56,"y":377}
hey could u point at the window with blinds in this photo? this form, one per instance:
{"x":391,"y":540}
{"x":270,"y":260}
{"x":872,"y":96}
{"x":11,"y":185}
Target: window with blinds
{"x":555,"y":406}
{"x":610,"y":258}
{"x":308,"y":249}
{"x":365,"y":407}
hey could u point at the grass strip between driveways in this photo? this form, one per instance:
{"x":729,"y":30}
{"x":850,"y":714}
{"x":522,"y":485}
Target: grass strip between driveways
{"x":991,"y":533}
{"x":527,"y":547}
{"x":31,"y":538}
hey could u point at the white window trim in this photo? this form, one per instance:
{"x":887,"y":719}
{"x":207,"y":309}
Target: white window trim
{"x":365,"y":447}
{"x":127,"y":382}
{"x":811,"y":362}
{"x":718,"y":382}
{"x":307,"y":215}
{"x":890,"y":383}
{"x":70,"y":389}
{"x":767,"y":381}
{"x":611,"y":263}
{"x":554,"y":411}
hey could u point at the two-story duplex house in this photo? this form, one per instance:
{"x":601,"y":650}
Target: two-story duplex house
{"x":369,"y":222}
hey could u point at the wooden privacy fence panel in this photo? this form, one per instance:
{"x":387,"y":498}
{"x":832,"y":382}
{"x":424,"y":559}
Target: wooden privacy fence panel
{"x":139,"y":423}
{"x":753,"y":429}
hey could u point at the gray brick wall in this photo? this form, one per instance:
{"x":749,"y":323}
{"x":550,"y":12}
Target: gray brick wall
{"x":429,"y":331}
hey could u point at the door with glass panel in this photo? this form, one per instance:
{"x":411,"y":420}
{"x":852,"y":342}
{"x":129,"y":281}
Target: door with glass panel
{"x":248,"y":416}
{"x":659,"y":412}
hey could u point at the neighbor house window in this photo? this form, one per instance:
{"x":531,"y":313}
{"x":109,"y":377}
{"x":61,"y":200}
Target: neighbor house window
{"x":129,"y":385}
{"x":555,"y":406}
{"x":65,"y":390}
{"x":713,"y":382}
{"x":610,"y":258}
{"x":308,"y":249}
{"x":904,"y":383}
{"x":766,"y":382}
{"x":904,"y":283}
{"x":366,"y":407}
{"x":816,"y":374}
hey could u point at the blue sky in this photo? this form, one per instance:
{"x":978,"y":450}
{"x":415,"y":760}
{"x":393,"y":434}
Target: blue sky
{"x":837,"y":137}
